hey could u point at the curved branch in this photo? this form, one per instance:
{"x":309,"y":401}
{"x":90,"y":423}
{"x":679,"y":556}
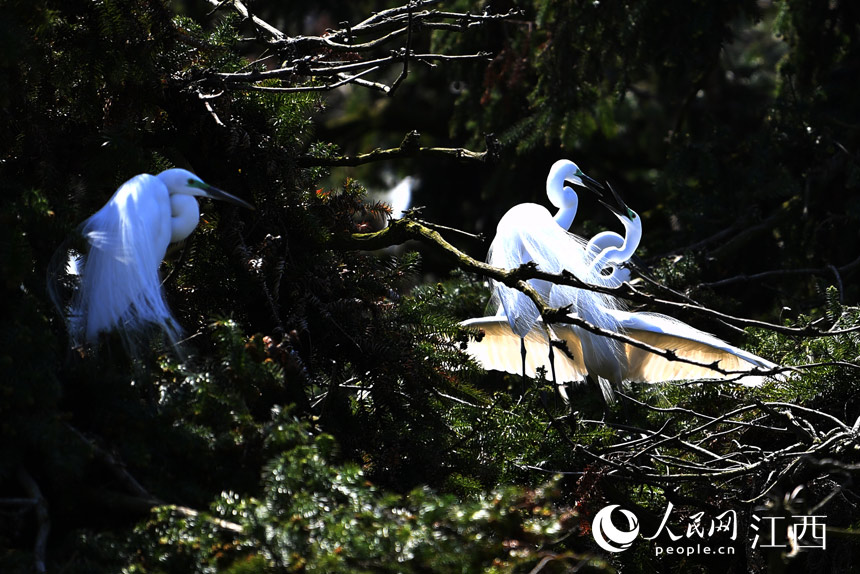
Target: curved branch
{"x":142,"y":497}
{"x":821,"y":271}
{"x":402,"y":230}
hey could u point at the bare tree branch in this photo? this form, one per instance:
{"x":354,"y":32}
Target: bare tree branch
{"x":265,"y":27}
{"x":339,"y":56}
{"x":408,"y":148}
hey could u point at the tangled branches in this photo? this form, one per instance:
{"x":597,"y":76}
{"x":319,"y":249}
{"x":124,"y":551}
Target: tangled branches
{"x":352,"y":54}
{"x":802,"y":441}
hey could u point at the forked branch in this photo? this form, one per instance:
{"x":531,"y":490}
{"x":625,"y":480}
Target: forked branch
{"x":344,"y":56}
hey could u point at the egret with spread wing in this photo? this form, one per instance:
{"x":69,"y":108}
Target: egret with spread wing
{"x":119,"y":286}
{"x":590,"y":354}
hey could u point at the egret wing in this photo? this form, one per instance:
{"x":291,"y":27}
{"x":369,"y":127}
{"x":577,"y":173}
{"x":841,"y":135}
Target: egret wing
{"x":687,"y":342}
{"x":120,"y":285}
{"x":500,"y":350}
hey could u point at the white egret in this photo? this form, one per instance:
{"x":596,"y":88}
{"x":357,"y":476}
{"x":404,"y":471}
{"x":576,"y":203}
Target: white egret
{"x":605,"y":254}
{"x":399,"y":197}
{"x":608,"y":251}
{"x":528,"y":233}
{"x":119,"y":287}
{"x":603,"y":358}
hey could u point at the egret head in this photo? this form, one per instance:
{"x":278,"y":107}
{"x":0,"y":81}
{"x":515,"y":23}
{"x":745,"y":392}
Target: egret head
{"x":562,"y":173}
{"x":183,"y":182}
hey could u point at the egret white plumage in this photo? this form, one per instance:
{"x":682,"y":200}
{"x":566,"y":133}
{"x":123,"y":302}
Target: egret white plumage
{"x":399,"y":197}
{"x":604,"y":358}
{"x":528,"y":233}
{"x":608,"y":250}
{"x":119,"y":287}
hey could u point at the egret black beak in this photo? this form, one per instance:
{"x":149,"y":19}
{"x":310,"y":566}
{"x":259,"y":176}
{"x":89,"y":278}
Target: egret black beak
{"x":588,"y":183}
{"x":222,"y":195}
{"x":592,"y":185}
{"x":621,"y":208}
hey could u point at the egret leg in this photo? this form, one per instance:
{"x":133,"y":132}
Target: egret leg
{"x":552,"y":371}
{"x":550,"y":335}
{"x":523,"y":354}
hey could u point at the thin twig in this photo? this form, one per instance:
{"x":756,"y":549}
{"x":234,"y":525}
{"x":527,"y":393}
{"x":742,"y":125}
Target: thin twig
{"x":343,"y":80}
{"x":405,"y":70}
{"x":261,"y":24}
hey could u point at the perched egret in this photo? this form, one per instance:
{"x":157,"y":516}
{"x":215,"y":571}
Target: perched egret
{"x":528,"y":233}
{"x":604,"y":358}
{"x":119,"y":287}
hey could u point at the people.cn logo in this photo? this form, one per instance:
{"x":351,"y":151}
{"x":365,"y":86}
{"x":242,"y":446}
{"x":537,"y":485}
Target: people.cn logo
{"x":608,"y":536}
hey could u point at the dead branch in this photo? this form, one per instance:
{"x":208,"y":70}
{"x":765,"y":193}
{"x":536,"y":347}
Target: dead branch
{"x":408,"y":148}
{"x":329,"y":69}
{"x":343,"y":56}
